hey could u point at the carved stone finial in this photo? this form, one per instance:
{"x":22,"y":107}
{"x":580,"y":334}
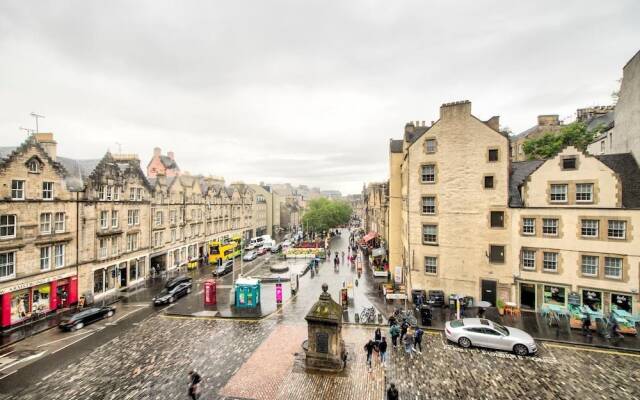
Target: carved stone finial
{"x":325,"y":287}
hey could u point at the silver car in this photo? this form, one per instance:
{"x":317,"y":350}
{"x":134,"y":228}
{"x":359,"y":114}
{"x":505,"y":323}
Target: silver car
{"x":480,"y":332}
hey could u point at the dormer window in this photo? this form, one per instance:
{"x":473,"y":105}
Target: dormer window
{"x":34,"y":166}
{"x":569,"y":163}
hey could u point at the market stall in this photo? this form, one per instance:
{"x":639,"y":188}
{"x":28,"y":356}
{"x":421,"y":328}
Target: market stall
{"x":378,"y":262}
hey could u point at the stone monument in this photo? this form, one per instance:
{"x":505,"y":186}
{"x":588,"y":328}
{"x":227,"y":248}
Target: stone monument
{"x":325,"y":347}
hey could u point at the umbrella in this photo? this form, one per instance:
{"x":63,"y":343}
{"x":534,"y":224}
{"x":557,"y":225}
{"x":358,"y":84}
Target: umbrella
{"x":483,"y":304}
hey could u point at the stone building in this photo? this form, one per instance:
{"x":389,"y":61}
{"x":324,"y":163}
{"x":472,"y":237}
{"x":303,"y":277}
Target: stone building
{"x":454,"y":193}
{"x":546,"y":124}
{"x":38,"y":236}
{"x":271,"y":209}
{"x":375,"y":199}
{"x":162,"y":165}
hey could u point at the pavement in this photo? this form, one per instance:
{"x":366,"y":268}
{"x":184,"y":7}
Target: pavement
{"x":147,"y":353}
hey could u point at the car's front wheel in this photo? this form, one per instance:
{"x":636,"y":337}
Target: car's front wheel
{"x":464,"y":342}
{"x":78,"y":326}
{"x":110,"y":314}
{"x":172,"y":299}
{"x":188,"y":290}
{"x":520,"y":350}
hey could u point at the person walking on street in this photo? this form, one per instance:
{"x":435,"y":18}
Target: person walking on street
{"x":369,"y":349}
{"x":342,"y":254}
{"x":418,"y":340}
{"x":408,"y":344}
{"x":336,"y":261}
{"x":586,"y":325}
{"x":194,"y":382}
{"x":383,"y":351}
{"x":394,"y":331}
{"x":377,"y":336}
{"x":392,"y":392}
{"x":403,"y":329}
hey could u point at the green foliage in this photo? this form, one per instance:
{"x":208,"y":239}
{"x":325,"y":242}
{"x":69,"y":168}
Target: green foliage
{"x":324,"y":214}
{"x":550,"y":144}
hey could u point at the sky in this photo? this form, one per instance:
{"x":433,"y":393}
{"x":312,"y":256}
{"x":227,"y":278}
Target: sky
{"x":307,"y":92}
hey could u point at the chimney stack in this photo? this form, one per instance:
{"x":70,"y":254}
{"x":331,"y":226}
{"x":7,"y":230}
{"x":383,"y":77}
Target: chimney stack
{"x":494,"y":123}
{"x":48,"y":144}
{"x":157,"y":151}
{"x":455,"y":109}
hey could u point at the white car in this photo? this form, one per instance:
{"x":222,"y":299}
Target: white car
{"x":250,"y":256}
{"x":481,"y":332}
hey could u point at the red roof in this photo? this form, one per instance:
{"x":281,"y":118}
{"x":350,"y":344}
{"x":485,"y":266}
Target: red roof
{"x":370,"y":236}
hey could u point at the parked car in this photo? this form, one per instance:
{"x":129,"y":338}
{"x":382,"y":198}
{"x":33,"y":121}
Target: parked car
{"x":435,"y":298}
{"x":174,"y":289}
{"x":263,"y":250}
{"x":250,"y":256}
{"x":223,"y":269}
{"x":276,"y":248}
{"x":86,"y":317}
{"x":286,"y":243}
{"x":481,"y":332}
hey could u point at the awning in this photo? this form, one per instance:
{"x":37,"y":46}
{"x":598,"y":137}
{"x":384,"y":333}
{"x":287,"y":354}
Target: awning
{"x":378,"y":252}
{"x":370,"y":236}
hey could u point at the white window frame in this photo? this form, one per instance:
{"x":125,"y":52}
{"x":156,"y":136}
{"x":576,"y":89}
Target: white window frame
{"x":115,"y":222}
{"x":425,"y":206}
{"x":582,"y":193}
{"x":584,"y":227}
{"x":618,"y":267}
{"x":622,"y":228}
{"x":18,"y":189}
{"x":423,"y":168}
{"x":554,"y":193}
{"x":59,"y":222}
{"x":132,"y":242}
{"x":45,"y":223}
{"x":555,"y":225}
{"x":424,"y":234}
{"x":553,"y":258}
{"x":104,"y":219}
{"x":103,"y":248}
{"x":7,"y":226}
{"x":525,"y":226}
{"x":585,"y":265}
{"x":525,"y":260}
{"x":115,"y":245}
{"x":430,"y":149}
{"x":132,"y":194}
{"x":158,"y":218}
{"x":31,"y":164}
{"x":47,"y":191}
{"x":116,"y":193}
{"x":431,"y":265}
{"x":8,"y":265}
{"x":59,"y":255}
{"x":45,"y":258}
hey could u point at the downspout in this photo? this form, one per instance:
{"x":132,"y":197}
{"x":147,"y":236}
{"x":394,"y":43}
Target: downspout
{"x":78,"y":242}
{"x":409,"y":255}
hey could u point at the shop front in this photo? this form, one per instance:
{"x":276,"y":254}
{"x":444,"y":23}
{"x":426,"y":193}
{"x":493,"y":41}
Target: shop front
{"x":118,"y":276}
{"x":378,"y":262}
{"x":44,"y":295}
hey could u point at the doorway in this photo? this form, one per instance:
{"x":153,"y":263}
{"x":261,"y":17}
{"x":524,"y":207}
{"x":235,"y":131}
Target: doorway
{"x":489,"y":291}
{"x":123,"y":275}
{"x":528,"y":296}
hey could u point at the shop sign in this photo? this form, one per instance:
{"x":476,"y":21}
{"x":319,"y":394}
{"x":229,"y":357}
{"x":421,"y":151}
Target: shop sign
{"x":574,"y":298}
{"x":396,"y":296}
{"x":397,"y":275}
{"x":35,"y":282}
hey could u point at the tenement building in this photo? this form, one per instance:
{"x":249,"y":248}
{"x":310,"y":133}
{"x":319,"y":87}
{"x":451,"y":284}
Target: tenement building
{"x":375,"y":200}
{"x":473,"y":223}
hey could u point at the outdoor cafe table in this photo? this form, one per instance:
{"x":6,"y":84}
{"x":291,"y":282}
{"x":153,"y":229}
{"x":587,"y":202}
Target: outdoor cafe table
{"x":559,"y":310}
{"x":625,"y":315}
{"x":588,"y":310}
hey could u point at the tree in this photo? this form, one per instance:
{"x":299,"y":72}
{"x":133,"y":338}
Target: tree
{"x":550,"y":144}
{"x":324,"y":214}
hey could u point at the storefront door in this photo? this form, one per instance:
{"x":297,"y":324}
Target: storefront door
{"x":489,"y":291}
{"x":528,"y":296}
{"x":592,"y":299}
{"x":622,"y":302}
{"x":123,"y":274}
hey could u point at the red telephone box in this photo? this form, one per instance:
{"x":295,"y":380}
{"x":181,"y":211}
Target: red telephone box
{"x":210,"y":292}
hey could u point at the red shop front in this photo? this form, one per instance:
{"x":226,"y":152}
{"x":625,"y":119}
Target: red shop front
{"x":17,"y":303}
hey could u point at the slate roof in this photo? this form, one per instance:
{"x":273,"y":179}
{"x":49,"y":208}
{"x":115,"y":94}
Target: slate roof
{"x":5,"y":151}
{"x":77,"y":171}
{"x":418,"y":131}
{"x":520,"y":171}
{"x":168,"y":162}
{"x":625,"y":165}
{"x":395,"y":146}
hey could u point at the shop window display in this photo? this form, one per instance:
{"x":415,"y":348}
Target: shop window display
{"x":622,"y":302}
{"x":555,"y":295}
{"x":40,"y":297}
{"x":592,"y":299}
{"x":19,"y":305}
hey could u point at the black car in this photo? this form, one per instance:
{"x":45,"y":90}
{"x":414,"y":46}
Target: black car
{"x":435,"y":298}
{"x":86,"y":317}
{"x":223,"y":269}
{"x":174,"y":289}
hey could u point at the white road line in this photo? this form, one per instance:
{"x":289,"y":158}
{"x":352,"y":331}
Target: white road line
{"x":65,"y":338}
{"x":8,"y":375}
{"x":31,"y":357}
{"x":72,"y":343}
{"x":129,"y":313}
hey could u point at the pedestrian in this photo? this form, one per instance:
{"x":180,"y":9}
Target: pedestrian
{"x":369,"y":349}
{"x":392,"y":392}
{"x":377,"y":336}
{"x":383,"y":350}
{"x":408,"y":344}
{"x":392,"y":320}
{"x":586,"y":325}
{"x":403,"y":329}
{"x":394,"y":331}
{"x":418,"y":339}
{"x":194,"y":385}
{"x":342,"y":253}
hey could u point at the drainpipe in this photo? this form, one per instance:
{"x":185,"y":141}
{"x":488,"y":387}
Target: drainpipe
{"x":409,"y":255}
{"x":78,"y":244}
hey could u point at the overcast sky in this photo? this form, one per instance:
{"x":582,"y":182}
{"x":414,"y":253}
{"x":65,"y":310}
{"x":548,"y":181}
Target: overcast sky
{"x":300,"y":91}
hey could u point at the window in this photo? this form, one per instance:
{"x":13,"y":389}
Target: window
{"x":58,"y":223}
{"x":7,"y":227}
{"x":133,"y":217}
{"x":497,"y":219}
{"x":7,"y":265}
{"x":115,"y":245}
{"x":173,"y":235}
{"x":617,"y":229}
{"x":138,"y":194}
{"x":559,"y":193}
{"x":158,"y":219}
{"x":428,"y":205}
{"x":172,"y":217}
{"x":569,"y":163}
{"x":584,"y":192}
{"x":45,"y":258}
{"x":613,"y":267}
{"x":102,"y":192}
{"x":34,"y":166}
{"x":528,"y":226}
{"x":132,"y":242}
{"x":157,"y":239}
{"x":528,"y":259}
{"x":431,"y":265}
{"x":550,"y":226}
{"x":104,"y":219}
{"x":47,"y":190}
{"x":17,"y":190}
{"x":590,"y":265}
{"x":430,"y":145}
{"x":45,"y":223}
{"x":429,"y":234}
{"x":602,"y":146}
{"x":550,"y":262}
{"x":58,"y":251}
{"x":428,"y":173}
{"x":132,"y":194}
{"x":114,"y":218}
{"x":488,"y":182}
{"x":493,"y":155}
{"x":496,"y":254}
{"x":589,"y":228}
{"x":103,"y":250}
{"x":116,"y":193}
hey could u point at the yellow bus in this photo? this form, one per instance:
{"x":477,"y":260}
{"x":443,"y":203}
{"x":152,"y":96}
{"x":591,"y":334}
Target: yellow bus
{"x":222,"y":251}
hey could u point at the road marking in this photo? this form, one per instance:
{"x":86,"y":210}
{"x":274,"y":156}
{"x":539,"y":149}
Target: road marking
{"x":582,"y":348}
{"x":8,"y":375}
{"x":65,"y":338}
{"x":31,"y":357}
{"x":127,"y":314}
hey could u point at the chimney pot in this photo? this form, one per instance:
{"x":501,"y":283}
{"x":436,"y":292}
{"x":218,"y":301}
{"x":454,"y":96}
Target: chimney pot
{"x":157,"y":151}
{"x":48,"y":144}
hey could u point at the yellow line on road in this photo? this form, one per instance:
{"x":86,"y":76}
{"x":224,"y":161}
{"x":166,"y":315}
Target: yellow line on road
{"x":582,"y":348}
